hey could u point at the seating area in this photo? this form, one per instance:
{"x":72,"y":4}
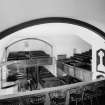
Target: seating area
{"x":78,"y":65}
{"x":45,"y":79}
{"x":21,"y":55}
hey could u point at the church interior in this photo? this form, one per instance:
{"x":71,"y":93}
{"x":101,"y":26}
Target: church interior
{"x":47,"y":69}
{"x":51,"y":58}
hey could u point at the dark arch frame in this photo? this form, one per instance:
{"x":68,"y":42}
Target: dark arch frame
{"x":29,"y":39}
{"x":51,"y":20}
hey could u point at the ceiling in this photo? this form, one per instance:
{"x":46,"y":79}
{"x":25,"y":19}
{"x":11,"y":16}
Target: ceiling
{"x":13,"y":12}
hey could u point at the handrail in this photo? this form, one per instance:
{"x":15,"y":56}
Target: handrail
{"x":46,"y":90}
{"x":20,"y":61}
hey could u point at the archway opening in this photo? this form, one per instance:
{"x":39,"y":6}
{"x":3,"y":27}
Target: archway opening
{"x":68,"y":40}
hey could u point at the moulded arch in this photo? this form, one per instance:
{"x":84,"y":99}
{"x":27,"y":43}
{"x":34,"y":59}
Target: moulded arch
{"x":35,"y":40}
{"x":51,"y":20}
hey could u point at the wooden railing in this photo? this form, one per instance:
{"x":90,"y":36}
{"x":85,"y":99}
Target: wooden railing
{"x":80,"y":73}
{"x":81,"y":92}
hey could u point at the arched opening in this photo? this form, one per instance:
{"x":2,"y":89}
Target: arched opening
{"x":26,"y":45}
{"x":67,"y":36}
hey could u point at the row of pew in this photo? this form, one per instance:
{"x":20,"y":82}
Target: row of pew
{"x":47,"y":79}
{"x":23,"y":55}
{"x":78,"y":65}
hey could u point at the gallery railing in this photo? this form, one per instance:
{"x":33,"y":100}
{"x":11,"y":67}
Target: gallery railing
{"x":82,"y":93}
